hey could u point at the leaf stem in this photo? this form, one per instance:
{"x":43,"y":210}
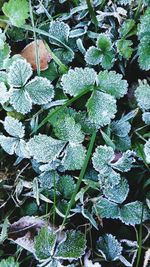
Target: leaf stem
{"x":140,"y":240}
{"x":70,"y":101}
{"x":81,"y":175}
{"x":92,"y":13}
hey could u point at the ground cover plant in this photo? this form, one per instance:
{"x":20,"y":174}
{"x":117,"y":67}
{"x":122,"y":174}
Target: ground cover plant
{"x":74,"y":133}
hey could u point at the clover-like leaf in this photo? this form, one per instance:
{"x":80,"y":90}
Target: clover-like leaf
{"x":110,"y":247}
{"x":17,"y":11}
{"x":144,"y":53}
{"x":126,"y":27}
{"x":40,"y":90}
{"x":9,"y":262}
{"x":112,"y":83}
{"x":121,"y":128}
{"x":9,"y":144}
{"x":44,"y":148}
{"x":146,"y":117}
{"x":4,"y":95}
{"x":106,"y":209}
{"x":19,"y":73}
{"x":74,"y":156}
{"x":109,"y":179}
{"x":66,"y":186}
{"x":78,"y":80}
{"x":118,"y":193}
{"x":143,"y":30}
{"x":142,"y":95}
{"x":3,"y":77}
{"x":60,"y":31}
{"x":73,"y":247}
{"x":45,"y":243}
{"x":102,"y":157}
{"x":65,"y":55}
{"x":124,"y":163}
{"x":147,"y":151}
{"x":68,"y":130}
{"x":101,"y":108}
{"x":93,"y":56}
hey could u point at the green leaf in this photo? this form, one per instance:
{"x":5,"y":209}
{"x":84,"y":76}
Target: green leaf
{"x":17,"y":11}
{"x":142,"y":95}
{"x":60,"y":30}
{"x":124,"y":48}
{"x":40,"y":90}
{"x":46,"y":179}
{"x":19,"y":73}
{"x":77,"y":80}
{"x":73,"y":247}
{"x":103,"y":43}
{"x":74,"y":156}
{"x":93,"y":56}
{"x":9,"y":262}
{"x":4,"y":95}
{"x":65,"y":56}
{"x":147,"y":151}
{"x":68,"y":130}
{"x":108,"y":60}
{"x":102,"y":158}
{"x":4,"y":55}
{"x":143,"y":30}
{"x":110,"y":247}
{"x":45,"y":243}
{"x":118,"y":193}
{"x":66,"y":186}
{"x":101,"y":108}
{"x":126,"y":28}
{"x":44,"y":148}
{"x":112,"y":83}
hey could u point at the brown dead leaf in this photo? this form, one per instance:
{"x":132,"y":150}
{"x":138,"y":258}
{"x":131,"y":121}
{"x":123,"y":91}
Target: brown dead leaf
{"x":29,"y":53}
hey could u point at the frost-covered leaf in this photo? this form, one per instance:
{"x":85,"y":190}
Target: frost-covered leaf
{"x":22,"y":149}
{"x":4,"y":54}
{"x":144,"y":53}
{"x":106,"y":209}
{"x":103,"y":43}
{"x":93,"y":56}
{"x":66,"y":186}
{"x":20,"y":100}
{"x":110,"y":247}
{"x":102,"y":157}
{"x":73,"y":247}
{"x":87,"y":126}
{"x":14,"y":127}
{"x":19,"y":73}
{"x":126,"y":27}
{"x":68,"y":130}
{"x":74,"y":156}
{"x":146,"y":117}
{"x":66,"y":56}
{"x":47,"y":179}
{"x":101,"y":108}
{"x":109,"y":179}
{"x":131,"y":213}
{"x":44,"y":148}
{"x":121,"y":128}
{"x":118,"y":193}
{"x":124,"y":48}
{"x":147,"y":151}
{"x":9,"y":144}
{"x":60,"y":31}
{"x":142,"y":95}
{"x":3,"y":77}
{"x":45,"y":243}
{"x":143,"y":30}
{"x":124,"y":163}
{"x":40,"y":90}
{"x":2,"y":39}
{"x":9,"y":262}
{"x":17,"y":11}
{"x":112,"y":83}
{"x":78,"y":80}
{"x":4,"y":94}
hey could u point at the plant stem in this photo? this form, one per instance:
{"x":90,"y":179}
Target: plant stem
{"x":81,"y":175}
{"x":70,"y":101}
{"x":54,"y":206}
{"x":35,"y":40}
{"x":140,"y":240}
{"x":138,"y":9}
{"x":92,"y":13}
